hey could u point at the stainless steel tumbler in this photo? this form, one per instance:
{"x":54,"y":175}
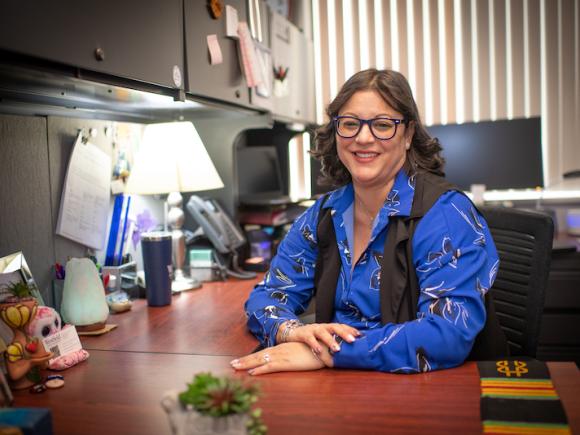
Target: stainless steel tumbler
{"x":158,"y":265}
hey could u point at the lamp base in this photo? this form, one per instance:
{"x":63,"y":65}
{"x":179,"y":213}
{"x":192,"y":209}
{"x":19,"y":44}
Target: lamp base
{"x":183,"y":283}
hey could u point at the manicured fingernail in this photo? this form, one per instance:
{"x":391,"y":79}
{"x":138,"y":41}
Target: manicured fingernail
{"x":336,"y":347}
{"x":357,"y":333}
{"x":235,"y":363}
{"x":350,"y":338}
{"x":251,"y":371}
{"x":317,"y":351}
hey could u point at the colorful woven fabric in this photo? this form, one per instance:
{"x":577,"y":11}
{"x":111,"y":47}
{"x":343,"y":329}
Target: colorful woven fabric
{"x":518,"y":397}
{"x":505,"y":427}
{"x":518,"y":388}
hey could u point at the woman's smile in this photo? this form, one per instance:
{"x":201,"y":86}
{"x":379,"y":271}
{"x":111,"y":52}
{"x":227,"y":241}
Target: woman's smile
{"x":365,"y":156}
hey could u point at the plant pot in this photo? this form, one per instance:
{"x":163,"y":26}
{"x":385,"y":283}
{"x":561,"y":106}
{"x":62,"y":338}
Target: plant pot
{"x":187,"y":421}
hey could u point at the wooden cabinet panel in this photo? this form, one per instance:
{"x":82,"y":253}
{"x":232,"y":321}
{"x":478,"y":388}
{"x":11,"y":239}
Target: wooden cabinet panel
{"x":135,"y":39}
{"x":223,"y":81}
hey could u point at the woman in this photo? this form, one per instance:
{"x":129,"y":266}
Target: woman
{"x":376,"y":150}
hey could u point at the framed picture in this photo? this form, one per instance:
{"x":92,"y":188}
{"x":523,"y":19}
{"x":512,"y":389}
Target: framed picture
{"x":14,"y":269}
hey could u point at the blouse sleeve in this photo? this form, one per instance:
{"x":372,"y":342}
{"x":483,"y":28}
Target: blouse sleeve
{"x":456,"y":263}
{"x":288,"y":286}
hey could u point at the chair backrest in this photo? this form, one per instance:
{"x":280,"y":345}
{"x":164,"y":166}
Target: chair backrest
{"x":524,"y":243}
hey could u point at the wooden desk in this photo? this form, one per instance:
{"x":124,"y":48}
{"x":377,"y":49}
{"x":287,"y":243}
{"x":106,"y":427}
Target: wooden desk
{"x":119,"y":393}
{"x":118,"y":390}
{"x":208,"y":321}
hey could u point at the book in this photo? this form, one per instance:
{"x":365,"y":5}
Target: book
{"x":271,"y":217}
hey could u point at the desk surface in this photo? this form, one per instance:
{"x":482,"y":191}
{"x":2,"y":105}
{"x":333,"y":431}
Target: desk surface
{"x":119,"y":393}
{"x":118,"y":390}
{"x":208,"y":321}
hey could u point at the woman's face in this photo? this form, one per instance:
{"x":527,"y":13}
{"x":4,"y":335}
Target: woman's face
{"x":372,"y":162}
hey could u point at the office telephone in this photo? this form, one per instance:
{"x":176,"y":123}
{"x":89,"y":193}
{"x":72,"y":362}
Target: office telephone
{"x":221,"y":231}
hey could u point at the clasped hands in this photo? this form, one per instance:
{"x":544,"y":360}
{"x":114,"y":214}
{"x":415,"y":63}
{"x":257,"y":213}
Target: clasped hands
{"x":307,"y":347}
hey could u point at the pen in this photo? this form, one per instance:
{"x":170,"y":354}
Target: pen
{"x":59,"y":271}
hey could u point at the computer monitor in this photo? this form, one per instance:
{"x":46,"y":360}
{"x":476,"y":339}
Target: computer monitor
{"x":259,"y":176}
{"x":503,"y":154}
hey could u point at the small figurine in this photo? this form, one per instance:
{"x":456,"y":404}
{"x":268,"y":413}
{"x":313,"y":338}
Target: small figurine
{"x":24,"y":354}
{"x":47,"y":322}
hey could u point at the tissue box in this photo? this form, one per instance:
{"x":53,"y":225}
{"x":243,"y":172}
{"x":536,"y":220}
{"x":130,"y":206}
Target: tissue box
{"x":203,"y":265}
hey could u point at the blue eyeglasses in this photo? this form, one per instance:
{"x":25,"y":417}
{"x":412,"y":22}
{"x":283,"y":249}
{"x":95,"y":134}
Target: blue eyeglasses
{"x":382,"y":128}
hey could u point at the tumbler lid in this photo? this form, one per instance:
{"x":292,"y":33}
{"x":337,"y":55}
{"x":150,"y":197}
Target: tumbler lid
{"x":155,"y":236}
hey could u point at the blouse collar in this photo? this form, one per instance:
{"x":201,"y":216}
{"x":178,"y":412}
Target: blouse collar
{"x":398,"y":202}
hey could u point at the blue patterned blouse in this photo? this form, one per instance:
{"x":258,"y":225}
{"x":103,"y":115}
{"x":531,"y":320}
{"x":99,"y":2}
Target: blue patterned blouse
{"x":456,"y":263}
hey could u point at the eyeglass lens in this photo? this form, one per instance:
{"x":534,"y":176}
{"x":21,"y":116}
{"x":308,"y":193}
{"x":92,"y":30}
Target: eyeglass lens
{"x":381,"y":128}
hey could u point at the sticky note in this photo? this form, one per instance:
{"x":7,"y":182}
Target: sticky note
{"x":215,"y":52}
{"x":231,"y":22}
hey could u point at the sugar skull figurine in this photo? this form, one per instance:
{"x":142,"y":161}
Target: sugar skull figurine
{"x":45,"y":322}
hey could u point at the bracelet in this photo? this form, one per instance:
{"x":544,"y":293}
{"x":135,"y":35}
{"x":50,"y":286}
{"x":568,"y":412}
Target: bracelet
{"x":290,"y":325}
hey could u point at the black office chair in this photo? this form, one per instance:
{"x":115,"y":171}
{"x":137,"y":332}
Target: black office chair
{"x":524,"y":243}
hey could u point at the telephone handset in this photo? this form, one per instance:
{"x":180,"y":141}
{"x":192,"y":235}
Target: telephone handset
{"x":224,"y":235}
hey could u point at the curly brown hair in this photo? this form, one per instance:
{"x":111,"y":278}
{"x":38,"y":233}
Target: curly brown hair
{"x":425,"y":151}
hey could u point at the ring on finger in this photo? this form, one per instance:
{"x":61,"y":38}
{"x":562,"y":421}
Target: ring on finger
{"x":266,"y":358}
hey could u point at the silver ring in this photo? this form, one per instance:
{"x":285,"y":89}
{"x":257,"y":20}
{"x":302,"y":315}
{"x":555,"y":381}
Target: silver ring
{"x":266,"y":358}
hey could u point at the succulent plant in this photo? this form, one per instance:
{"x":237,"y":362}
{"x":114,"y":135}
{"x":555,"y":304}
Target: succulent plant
{"x":19,"y":290}
{"x":221,"y":396}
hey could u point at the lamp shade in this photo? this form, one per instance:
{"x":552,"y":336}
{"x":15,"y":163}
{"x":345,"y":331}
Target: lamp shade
{"x":172,"y":158}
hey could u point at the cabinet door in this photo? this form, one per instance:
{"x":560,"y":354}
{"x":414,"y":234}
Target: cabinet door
{"x":136,"y":39}
{"x":293,"y":96}
{"x":223,"y":81}
{"x":282,"y":57}
{"x":303,"y":82}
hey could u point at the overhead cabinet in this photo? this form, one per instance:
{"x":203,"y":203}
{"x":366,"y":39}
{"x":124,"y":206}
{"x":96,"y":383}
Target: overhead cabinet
{"x":135,"y":39}
{"x":166,"y":44}
{"x":223,"y":81}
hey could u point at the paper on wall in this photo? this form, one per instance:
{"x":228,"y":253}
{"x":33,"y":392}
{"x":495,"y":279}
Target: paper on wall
{"x":250,"y":65}
{"x":215,"y":52}
{"x":84,"y":203}
{"x":231,"y":22}
{"x":264,"y":64}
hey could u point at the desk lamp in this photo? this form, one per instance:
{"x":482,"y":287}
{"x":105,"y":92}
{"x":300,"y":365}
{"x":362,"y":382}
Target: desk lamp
{"x":173,"y":159}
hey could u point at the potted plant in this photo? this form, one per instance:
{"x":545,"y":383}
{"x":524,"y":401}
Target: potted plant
{"x":214,"y":405}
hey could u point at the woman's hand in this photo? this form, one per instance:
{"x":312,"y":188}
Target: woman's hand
{"x":319,"y":335}
{"x":285,"y":357}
